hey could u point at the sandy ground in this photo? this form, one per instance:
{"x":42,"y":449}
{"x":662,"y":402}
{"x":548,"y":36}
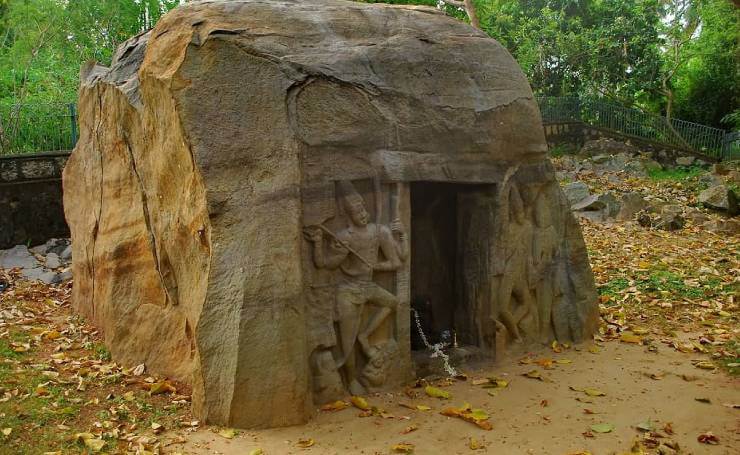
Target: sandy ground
{"x":529,"y":416}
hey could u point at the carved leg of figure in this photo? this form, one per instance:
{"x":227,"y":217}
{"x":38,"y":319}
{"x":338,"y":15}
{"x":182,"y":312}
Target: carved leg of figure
{"x":349,"y":306}
{"x":377,"y":296}
{"x":506,"y":286}
{"x":525,"y":314}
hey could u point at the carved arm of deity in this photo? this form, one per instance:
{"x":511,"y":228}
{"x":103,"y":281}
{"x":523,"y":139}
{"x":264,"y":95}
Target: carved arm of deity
{"x":395,"y":253}
{"x":336,"y":255}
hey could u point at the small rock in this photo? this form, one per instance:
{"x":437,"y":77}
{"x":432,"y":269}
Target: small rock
{"x":611,"y":204}
{"x":710,"y":180}
{"x":696,"y":216}
{"x":685,"y":160}
{"x":590,"y":203}
{"x":39,"y":274}
{"x":52,"y":261}
{"x":613,"y":179}
{"x":66,"y":255}
{"x":671,"y":219}
{"x":651,"y":165}
{"x":731,"y":227}
{"x":18,"y":257}
{"x":632,"y":203}
{"x":600,"y":159}
{"x":576,"y":192}
{"x":720,"y":198}
{"x":719,"y":169}
{"x":733,"y":177}
{"x":62,"y":277}
{"x":607,"y":146}
{"x":636,"y":168}
{"x":596,"y":216}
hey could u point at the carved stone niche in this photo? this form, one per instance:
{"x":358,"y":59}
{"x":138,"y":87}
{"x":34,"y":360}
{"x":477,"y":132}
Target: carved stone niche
{"x":263,"y":189}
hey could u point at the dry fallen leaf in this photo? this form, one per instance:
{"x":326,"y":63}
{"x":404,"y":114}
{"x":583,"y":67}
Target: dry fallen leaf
{"x":403,"y":447}
{"x":708,"y":438}
{"x":602,"y":427}
{"x":336,"y":406}
{"x":305,"y":443}
{"x":434,"y":392}
{"x":227,"y":433}
{"x":534,"y":374}
{"x":628,"y":337}
{"x":474,"y":444}
{"x":409,"y":429}
{"x":161,"y":387}
{"x":360,"y":403}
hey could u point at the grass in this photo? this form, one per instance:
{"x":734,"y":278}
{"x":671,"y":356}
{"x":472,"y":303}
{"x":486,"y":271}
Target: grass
{"x":562,"y":149}
{"x":676,"y":174}
{"x":614,"y":287}
{"x":731,"y":363}
{"x":661,"y":282}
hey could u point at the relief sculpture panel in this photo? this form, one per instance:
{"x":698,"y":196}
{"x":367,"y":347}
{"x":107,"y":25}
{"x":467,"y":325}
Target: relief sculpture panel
{"x":354,"y":258}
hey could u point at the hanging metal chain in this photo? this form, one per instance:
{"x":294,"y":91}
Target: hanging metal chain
{"x":436,"y":349}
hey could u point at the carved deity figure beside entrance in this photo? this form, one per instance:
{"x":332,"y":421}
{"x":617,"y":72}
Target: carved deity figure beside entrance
{"x":361,"y":306}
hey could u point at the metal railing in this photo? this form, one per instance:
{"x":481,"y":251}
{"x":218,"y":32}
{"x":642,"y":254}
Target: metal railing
{"x":678,"y":134}
{"x":34,"y":128}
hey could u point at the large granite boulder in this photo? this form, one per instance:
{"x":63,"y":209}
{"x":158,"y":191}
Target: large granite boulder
{"x":261,"y":188}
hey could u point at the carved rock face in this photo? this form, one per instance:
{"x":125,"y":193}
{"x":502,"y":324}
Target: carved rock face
{"x":206,"y":200}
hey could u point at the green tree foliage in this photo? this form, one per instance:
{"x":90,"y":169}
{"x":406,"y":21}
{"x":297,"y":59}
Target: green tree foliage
{"x":707,"y":83}
{"x":677,"y":57}
{"x":44,"y":42}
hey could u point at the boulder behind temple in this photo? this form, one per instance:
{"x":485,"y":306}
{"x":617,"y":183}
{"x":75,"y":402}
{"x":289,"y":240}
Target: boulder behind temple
{"x":223,"y":146}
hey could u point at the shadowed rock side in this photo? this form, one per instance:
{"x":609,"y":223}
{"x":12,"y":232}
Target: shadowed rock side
{"x":240,"y":201}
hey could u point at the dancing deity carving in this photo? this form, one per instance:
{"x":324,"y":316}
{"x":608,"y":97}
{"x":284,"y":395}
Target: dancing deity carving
{"x":356,"y":252}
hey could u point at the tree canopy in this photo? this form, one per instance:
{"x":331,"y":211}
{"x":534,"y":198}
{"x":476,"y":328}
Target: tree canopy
{"x":674,"y":57}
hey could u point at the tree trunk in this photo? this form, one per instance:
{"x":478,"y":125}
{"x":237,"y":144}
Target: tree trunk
{"x":470,"y":10}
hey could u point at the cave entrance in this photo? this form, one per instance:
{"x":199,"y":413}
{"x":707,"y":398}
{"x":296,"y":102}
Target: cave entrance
{"x":451,"y":231}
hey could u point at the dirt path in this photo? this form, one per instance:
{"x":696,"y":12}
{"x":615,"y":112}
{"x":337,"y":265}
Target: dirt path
{"x":522,"y":421}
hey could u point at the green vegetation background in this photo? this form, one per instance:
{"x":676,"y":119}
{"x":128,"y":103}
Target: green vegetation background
{"x":676,"y":57}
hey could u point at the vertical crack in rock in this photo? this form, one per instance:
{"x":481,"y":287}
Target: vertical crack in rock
{"x":147,"y":222}
{"x":96,"y":228}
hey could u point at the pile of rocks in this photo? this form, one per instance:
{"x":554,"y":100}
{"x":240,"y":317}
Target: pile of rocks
{"x":48,"y":263}
{"x":719,"y":194}
{"x":618,"y":169}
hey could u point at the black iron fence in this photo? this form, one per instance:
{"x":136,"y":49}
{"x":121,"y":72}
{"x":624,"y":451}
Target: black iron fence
{"x":679,"y":134}
{"x":33,"y":128}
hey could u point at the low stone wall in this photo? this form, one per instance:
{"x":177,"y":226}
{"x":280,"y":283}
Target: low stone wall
{"x":572,"y":135}
{"x":31,"y":199}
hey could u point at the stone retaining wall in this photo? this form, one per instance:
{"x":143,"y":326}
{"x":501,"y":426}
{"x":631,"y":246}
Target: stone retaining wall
{"x":31,"y":198}
{"x":572,"y":135}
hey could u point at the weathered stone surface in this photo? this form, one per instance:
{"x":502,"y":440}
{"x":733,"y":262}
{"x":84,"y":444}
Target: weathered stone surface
{"x":720,"y":197}
{"x":262,"y":187}
{"x":576,"y":192}
{"x":18,"y":257}
{"x":696,"y":216}
{"x":730,"y":226}
{"x":52,"y":261}
{"x":710,"y":180}
{"x":685,"y":160}
{"x":607,"y":146}
{"x":631,"y":204}
{"x":671,"y":218}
